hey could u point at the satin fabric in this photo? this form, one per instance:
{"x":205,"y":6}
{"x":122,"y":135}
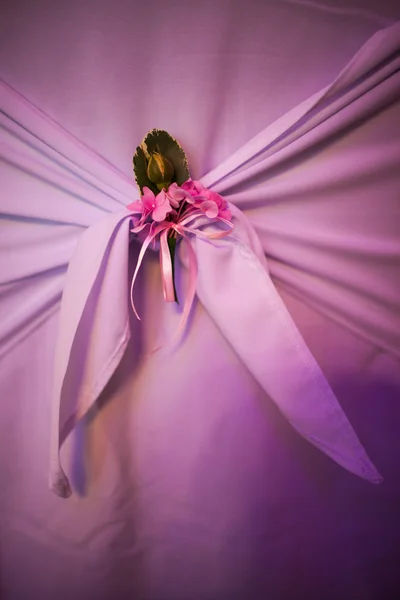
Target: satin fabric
{"x":202,"y":490}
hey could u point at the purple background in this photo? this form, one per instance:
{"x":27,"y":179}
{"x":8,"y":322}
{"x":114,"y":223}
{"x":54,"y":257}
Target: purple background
{"x":199,"y":489}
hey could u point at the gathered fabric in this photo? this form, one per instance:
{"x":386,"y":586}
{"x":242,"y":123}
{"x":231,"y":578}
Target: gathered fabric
{"x":255,"y":324}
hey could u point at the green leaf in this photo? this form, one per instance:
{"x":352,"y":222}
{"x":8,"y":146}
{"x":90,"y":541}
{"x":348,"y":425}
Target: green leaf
{"x":158,"y":140}
{"x":172,"y":247}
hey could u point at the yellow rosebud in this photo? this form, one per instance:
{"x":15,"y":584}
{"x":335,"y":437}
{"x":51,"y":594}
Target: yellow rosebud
{"x":160,"y":171}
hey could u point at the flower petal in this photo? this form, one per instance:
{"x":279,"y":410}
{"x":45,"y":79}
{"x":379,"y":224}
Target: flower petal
{"x":148,"y":200}
{"x":160,"y":198}
{"x":176,"y":194}
{"x":162,"y":207}
{"x":135,"y":206}
{"x":209,"y":208}
{"x":147,"y":192}
{"x":160,"y":212}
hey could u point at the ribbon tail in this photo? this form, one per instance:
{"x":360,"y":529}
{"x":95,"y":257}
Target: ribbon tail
{"x":184,"y":226}
{"x":143,"y":249}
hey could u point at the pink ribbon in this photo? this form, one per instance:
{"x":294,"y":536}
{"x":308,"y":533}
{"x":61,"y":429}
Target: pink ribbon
{"x":182,"y":228}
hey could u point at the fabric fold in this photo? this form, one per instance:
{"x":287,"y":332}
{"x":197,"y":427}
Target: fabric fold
{"x":294,"y":162}
{"x":306,"y":205}
{"x":311,"y":184}
{"x":238,"y":293}
{"x":94,"y":330}
{"x":235,"y":288}
{"x":375,"y":63}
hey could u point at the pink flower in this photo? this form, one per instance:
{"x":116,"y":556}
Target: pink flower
{"x":194,"y":188}
{"x":145,"y":205}
{"x":210,"y":203}
{"x":156,"y":206}
{"x":135,"y":207}
{"x":176,"y":194}
{"x":220,"y":203}
{"x":193,"y":192}
{"x":161,"y":207}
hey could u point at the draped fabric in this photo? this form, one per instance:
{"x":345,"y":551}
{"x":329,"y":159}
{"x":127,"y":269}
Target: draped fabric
{"x":178,"y":486}
{"x":95,"y":332}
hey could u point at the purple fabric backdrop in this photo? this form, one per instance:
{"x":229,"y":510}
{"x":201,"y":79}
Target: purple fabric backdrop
{"x":199,"y":489}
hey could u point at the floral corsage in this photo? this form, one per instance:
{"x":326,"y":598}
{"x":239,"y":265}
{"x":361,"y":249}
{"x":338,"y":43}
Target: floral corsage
{"x":172,"y":207}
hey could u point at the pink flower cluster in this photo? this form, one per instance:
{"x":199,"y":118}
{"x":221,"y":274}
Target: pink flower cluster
{"x":176,"y":202}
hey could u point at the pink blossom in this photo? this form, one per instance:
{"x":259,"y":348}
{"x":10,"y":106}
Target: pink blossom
{"x":194,"y":188}
{"x":148,"y":201}
{"x":210,"y":203}
{"x":135,"y":207}
{"x":176,"y":194}
{"x":156,"y":206}
{"x":220,"y":203}
{"x":161,"y":207}
{"x":145,"y":205}
{"x":210,"y":209}
{"x":193,"y":192}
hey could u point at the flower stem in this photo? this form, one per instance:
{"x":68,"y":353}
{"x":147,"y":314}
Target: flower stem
{"x":172,"y":247}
